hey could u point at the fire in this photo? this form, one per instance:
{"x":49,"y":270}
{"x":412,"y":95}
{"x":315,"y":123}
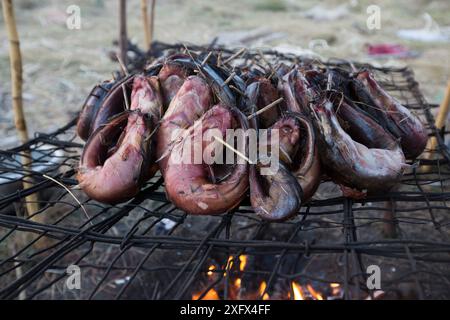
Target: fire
{"x":314,"y":293}
{"x":235,"y":285}
{"x":210,"y":295}
{"x":211,"y":269}
{"x":243,"y":262}
{"x":228,"y":265}
{"x":335,"y":288}
{"x":298,"y":291}
{"x":335,"y":285}
{"x":262,"y":289}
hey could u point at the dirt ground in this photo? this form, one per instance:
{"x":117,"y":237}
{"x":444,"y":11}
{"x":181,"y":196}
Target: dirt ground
{"x":61,"y":65}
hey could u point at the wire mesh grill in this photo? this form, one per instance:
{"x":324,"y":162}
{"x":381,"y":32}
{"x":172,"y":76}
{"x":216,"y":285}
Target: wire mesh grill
{"x":148,"y":249}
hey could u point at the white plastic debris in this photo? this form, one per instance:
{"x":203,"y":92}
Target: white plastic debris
{"x":431,"y":32}
{"x":289,"y":49}
{"x":322,"y":13}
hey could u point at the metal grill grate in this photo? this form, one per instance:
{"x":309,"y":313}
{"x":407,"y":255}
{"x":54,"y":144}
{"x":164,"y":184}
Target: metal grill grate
{"x":148,"y":249}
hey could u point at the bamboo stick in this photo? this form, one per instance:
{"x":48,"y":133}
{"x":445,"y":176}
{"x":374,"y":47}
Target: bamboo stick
{"x":152,"y":21}
{"x":123,"y":39}
{"x":32,"y":204}
{"x":440,"y":121}
{"x":146,"y":24}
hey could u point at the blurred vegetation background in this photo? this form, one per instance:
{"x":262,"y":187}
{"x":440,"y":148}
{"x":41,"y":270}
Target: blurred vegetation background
{"x":62,"y":65}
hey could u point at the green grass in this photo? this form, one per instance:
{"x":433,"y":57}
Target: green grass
{"x":270,"y":5}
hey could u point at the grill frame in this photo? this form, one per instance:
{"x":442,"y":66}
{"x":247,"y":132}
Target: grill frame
{"x":35,"y":268}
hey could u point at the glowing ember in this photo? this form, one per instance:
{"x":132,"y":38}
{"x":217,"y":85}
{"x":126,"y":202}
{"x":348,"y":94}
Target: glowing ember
{"x":210,"y":295}
{"x":335,"y":285}
{"x":243,"y":262}
{"x":298,"y":291}
{"x":262,"y":289}
{"x":210,"y":270}
{"x":235,"y":284}
{"x":314,"y":293}
{"x":230,"y":262}
{"x":335,"y":288}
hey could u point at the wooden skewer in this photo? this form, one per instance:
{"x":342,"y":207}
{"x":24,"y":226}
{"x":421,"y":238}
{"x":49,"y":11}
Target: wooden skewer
{"x":122,"y":66}
{"x":206,"y":59}
{"x":441,"y":119}
{"x":230,"y":77}
{"x":124,"y":91}
{"x":238,"y":153}
{"x":234,"y":56}
{"x":270,"y":105}
{"x":32,"y":204}
{"x":219,"y":59}
{"x":237,"y":90}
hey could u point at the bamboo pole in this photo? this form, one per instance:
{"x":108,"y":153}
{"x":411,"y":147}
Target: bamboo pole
{"x":440,"y":121}
{"x":152,"y":21}
{"x":123,"y":39}
{"x":15,"y":57}
{"x":146,"y":24}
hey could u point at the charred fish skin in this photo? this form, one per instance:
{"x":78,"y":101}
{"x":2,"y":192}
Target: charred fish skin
{"x":281,"y":201}
{"x":91,"y":106}
{"x":299,"y":93}
{"x":306,"y":165}
{"x":357,"y":108}
{"x":261,"y":93}
{"x":113,"y":103}
{"x":117,"y":177}
{"x":107,"y":100}
{"x":351,"y":163}
{"x":408,"y":127}
{"x":362,"y":98}
{"x":277,"y":196}
{"x":359,"y":125}
{"x":296,"y":92}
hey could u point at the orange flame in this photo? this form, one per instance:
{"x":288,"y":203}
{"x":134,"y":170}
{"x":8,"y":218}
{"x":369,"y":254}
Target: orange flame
{"x":229,"y":262}
{"x":335,"y":285}
{"x":211,"y":269}
{"x":314,"y":293}
{"x":298,"y":291}
{"x":262,"y":288}
{"x":243,"y":262}
{"x":210,"y":295}
{"x":228,"y":265}
{"x":335,"y":288}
